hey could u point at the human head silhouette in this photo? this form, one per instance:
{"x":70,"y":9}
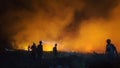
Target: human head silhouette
{"x":108,"y":41}
{"x":56,"y":45}
{"x":40,"y":42}
{"x":34,"y":43}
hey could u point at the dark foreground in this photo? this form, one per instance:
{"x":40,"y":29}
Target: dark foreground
{"x":21,"y":59}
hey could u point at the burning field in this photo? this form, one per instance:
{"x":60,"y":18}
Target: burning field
{"x":76,"y":25}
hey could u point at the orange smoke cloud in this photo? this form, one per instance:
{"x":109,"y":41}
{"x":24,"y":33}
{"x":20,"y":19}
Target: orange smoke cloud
{"x":83,"y":35}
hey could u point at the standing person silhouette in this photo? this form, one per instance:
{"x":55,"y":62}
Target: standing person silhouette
{"x":55,"y":52}
{"x":111,"y":51}
{"x":34,"y":51}
{"x":40,"y":49}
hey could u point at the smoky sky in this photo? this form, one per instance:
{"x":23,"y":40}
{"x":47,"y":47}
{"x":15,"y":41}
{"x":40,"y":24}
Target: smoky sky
{"x":12,"y":12}
{"x":92,"y":9}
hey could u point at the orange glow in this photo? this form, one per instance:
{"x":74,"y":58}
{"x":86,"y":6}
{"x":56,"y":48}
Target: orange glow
{"x":23,"y":46}
{"x":91,"y":35}
{"x":47,"y":48}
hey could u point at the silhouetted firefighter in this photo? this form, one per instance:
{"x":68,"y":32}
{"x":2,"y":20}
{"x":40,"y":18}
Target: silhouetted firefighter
{"x":55,"y":52}
{"x":111,"y":51}
{"x":34,"y":51}
{"x":40,"y":49}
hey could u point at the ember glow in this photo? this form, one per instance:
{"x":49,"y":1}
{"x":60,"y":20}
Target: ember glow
{"x":76,"y":25}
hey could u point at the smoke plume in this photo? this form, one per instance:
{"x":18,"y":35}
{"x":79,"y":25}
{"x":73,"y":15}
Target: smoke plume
{"x":76,"y":25}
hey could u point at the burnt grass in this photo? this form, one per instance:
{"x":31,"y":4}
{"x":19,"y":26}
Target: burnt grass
{"x":21,"y":59}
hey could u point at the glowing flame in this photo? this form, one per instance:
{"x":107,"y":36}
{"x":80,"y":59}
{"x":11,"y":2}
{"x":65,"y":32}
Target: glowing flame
{"x":23,"y":46}
{"x":47,"y":47}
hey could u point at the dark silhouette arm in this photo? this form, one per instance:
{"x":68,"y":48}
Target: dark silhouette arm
{"x":115,"y":50}
{"x":106,"y":51}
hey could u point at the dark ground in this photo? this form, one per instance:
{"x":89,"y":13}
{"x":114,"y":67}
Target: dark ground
{"x":21,"y":59}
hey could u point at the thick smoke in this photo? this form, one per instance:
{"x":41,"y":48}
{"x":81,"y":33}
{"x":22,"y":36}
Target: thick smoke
{"x":25,"y":21}
{"x":11,"y":15}
{"x":91,"y":9}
